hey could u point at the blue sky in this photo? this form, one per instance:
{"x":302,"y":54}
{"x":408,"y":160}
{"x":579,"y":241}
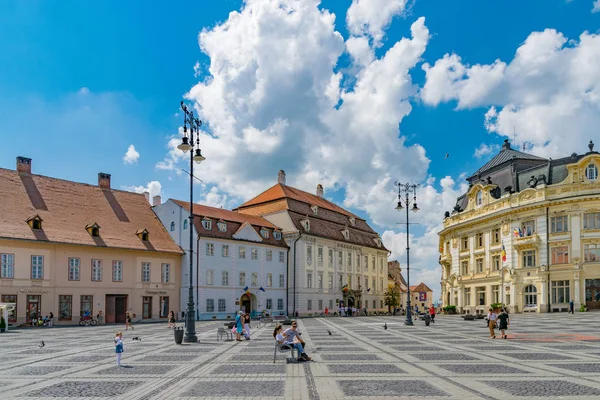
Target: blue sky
{"x":80,"y":82}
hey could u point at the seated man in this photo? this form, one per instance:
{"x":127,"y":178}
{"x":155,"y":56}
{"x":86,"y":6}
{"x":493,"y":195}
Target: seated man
{"x":284,"y":338}
{"x":294,"y":334}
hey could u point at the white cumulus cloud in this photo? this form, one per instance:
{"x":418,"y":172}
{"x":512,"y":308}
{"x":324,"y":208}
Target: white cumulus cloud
{"x":131,"y":156}
{"x":549,"y":90}
{"x":153,"y":187}
{"x":484,"y":150}
{"x":596,"y":6}
{"x":371,"y":17}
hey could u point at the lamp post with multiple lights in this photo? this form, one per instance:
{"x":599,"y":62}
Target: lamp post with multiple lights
{"x":187,"y":143}
{"x":406,"y":190}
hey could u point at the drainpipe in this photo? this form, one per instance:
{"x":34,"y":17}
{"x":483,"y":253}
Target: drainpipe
{"x":548,"y":255}
{"x":288,"y":281}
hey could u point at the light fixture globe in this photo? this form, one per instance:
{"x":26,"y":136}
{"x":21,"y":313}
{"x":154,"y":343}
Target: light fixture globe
{"x":399,"y":206}
{"x":198,"y":157}
{"x":415,"y":208}
{"x":185,"y":145}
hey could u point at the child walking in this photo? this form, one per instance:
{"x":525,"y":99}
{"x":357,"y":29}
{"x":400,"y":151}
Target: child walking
{"x":119,"y":347}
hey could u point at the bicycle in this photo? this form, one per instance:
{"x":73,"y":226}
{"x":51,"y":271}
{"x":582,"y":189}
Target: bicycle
{"x":83,"y":321}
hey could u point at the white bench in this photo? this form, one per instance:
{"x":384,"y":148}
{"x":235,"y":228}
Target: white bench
{"x":226,"y":332}
{"x":282,"y":348}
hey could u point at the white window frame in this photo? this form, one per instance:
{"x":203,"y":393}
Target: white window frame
{"x":254,"y":278}
{"x":117,"y":271}
{"x":591,"y":221}
{"x":281,"y":280}
{"x":222,"y":226}
{"x":242,"y":252}
{"x":557,"y":287}
{"x":591,"y":252}
{"x":557,"y":252}
{"x":309,"y":254}
{"x":242,"y":279}
{"x":207,"y":224}
{"x":269,"y":280}
{"x":7,"y":265}
{"x":74,"y":268}
{"x":269,"y":255}
{"x":559,"y":224}
{"x":210,"y":305}
{"x":96,"y":270}
{"x":309,"y":280}
{"x":146,"y":272}
{"x":254,"y":254}
{"x":210,"y":249}
{"x":165,"y":272}
{"x":320,"y":255}
{"x":279,"y":304}
{"x":309,"y":305}
{"x":224,"y":278}
{"x":225,"y":250}
{"x":591,"y":172}
{"x":281,"y":257}
{"x":222,"y":305}
{"x":527,"y":256}
{"x":330,"y":280}
{"x":320,"y":280}
{"x":37,"y":267}
{"x":210,"y":277}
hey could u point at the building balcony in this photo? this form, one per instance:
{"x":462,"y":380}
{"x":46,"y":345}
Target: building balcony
{"x":445,"y":257}
{"x":526,"y":241}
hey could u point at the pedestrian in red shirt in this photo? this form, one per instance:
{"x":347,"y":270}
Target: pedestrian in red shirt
{"x":432,"y":313}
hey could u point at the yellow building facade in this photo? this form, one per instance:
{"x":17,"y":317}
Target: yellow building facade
{"x":67,"y":248}
{"x":526,"y":234}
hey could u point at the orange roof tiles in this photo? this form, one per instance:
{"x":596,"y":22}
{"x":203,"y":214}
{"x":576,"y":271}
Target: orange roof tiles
{"x":66,"y":208}
{"x":280,"y":191}
{"x":421,"y":287}
{"x":226,"y":215}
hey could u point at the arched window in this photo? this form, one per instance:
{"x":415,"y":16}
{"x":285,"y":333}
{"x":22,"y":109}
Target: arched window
{"x":185,"y":223}
{"x":591,"y":172}
{"x":172,"y":226}
{"x":530,"y":296}
{"x":479,"y":198}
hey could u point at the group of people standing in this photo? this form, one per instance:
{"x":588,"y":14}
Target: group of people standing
{"x":502,"y":320}
{"x":242,"y":326}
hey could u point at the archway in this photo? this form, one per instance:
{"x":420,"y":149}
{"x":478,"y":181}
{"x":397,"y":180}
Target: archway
{"x":350,"y":301}
{"x":530,"y":296}
{"x":247,"y":302}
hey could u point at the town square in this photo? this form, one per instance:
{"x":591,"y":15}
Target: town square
{"x":300,"y":199}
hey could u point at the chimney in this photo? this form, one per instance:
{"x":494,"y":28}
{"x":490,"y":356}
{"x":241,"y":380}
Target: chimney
{"x":147,"y":196}
{"x":24,"y":165}
{"x":281,"y":177}
{"x":104,"y":180}
{"x":320,"y":190}
{"x":156,"y":200}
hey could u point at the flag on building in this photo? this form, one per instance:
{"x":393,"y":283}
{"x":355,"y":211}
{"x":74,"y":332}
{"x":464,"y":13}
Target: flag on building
{"x":503,"y":253}
{"x":262,"y":289}
{"x":516,"y":232}
{"x":245,"y":289}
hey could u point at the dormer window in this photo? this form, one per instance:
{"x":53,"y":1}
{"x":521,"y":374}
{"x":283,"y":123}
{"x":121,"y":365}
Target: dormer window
{"x":315,"y":209}
{"x":346,"y":233}
{"x":143,"y":234}
{"x":93,"y":229}
{"x":277,"y":235}
{"x":378,"y":241}
{"x":479,"y":198}
{"x":591,"y":172}
{"x":35,"y":222}
{"x":207,"y":224}
{"x":305,"y":224}
{"x":173,"y":226}
{"x":222,"y":226}
{"x":264,"y":233}
{"x":352,"y":221}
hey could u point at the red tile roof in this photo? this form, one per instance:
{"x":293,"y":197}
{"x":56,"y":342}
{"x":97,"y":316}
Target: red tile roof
{"x":421,"y":287}
{"x":280,"y":191}
{"x":67,"y":207}
{"x":226,"y":215}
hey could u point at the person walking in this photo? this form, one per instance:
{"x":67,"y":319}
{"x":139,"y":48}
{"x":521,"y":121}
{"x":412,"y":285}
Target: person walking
{"x":492,"y":317}
{"x":571,"y":307}
{"x":326,"y":311}
{"x":51,"y":320}
{"x":128,"y":321}
{"x":171,"y":320}
{"x":432,"y":313}
{"x":238,"y":326}
{"x":247,"y":325}
{"x":503,"y":322}
{"x":119,"y":347}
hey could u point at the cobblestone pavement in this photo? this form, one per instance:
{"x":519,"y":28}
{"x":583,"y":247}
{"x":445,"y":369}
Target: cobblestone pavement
{"x":547,"y":355}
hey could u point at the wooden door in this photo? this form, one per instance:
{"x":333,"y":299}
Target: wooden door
{"x":110,"y":309}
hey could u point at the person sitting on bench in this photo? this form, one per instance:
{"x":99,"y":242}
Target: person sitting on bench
{"x":282,"y":338}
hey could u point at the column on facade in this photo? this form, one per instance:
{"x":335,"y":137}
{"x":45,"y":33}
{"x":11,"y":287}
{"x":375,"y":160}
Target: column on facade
{"x":543,"y":301}
{"x":460,"y":289}
{"x":576,"y":289}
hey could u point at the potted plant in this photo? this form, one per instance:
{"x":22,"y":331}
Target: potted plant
{"x":449,"y":310}
{"x":2,"y":324}
{"x":496,"y":307}
{"x":583,"y":308}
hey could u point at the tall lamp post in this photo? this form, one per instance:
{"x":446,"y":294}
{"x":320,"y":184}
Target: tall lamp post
{"x":187,"y":143}
{"x":405,"y":190}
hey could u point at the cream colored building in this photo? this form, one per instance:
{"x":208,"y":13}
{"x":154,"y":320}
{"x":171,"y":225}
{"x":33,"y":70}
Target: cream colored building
{"x":545,"y":214}
{"x":68,"y":247}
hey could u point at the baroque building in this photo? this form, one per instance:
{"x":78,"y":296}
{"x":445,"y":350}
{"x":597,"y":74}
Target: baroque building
{"x":239,"y":260}
{"x":526,"y":234}
{"x":336,"y":259}
{"x":68,"y":247}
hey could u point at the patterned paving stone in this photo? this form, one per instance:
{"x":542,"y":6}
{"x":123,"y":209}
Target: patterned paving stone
{"x":482,"y":369}
{"x":537,"y":356}
{"x":350,"y":357}
{"x":582,"y":367}
{"x":85,"y":389}
{"x":168,"y":358}
{"x":248,"y":369}
{"x":442,"y":356}
{"x":495,"y":347}
{"x":545,"y":388}
{"x":126,"y":369}
{"x":85,"y":358}
{"x":364,"y":369}
{"x":35,"y":370}
{"x":390,"y":388}
{"x":240,"y":389}
{"x":328,"y":349}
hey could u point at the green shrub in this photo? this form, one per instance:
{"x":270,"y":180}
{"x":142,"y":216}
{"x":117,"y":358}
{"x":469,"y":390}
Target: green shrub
{"x":496,"y":305}
{"x":582,"y":308}
{"x":449,"y":308}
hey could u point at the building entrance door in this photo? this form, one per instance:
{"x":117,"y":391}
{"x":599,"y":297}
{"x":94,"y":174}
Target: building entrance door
{"x":592,"y":294}
{"x":34,"y":306}
{"x":116,"y":306}
{"x":147,"y":307}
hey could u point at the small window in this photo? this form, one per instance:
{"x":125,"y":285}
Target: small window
{"x":37,"y":224}
{"x":277,"y":235}
{"x":495,"y":236}
{"x":264,"y":233}
{"x":528,"y":228}
{"x":145,"y":237}
{"x":529,"y":258}
{"x":314,"y":209}
{"x":95,"y":232}
{"x":479,"y":240}
{"x":352,"y":221}
{"x":207,"y":224}
{"x":346,"y":234}
{"x":479,"y":198}
{"x":464,"y":243}
{"x":185,"y":224}
{"x":591,"y":172}
{"x":305,"y":224}
{"x":173,"y":226}
{"x":222,"y":226}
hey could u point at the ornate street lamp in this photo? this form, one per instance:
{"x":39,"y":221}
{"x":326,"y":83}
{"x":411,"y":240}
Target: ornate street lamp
{"x":187,"y":143}
{"x":407,"y":190}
